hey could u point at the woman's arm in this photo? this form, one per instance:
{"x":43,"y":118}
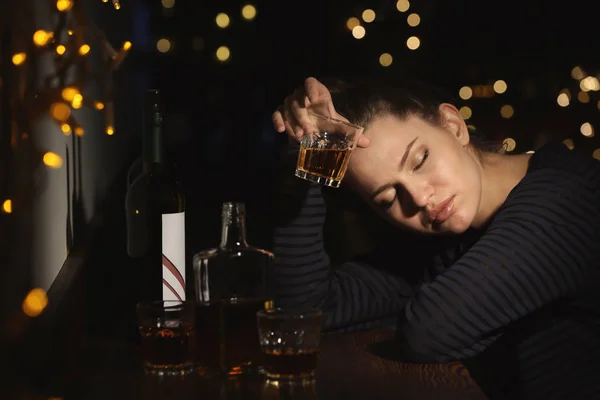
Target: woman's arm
{"x":542,"y":246}
{"x":353,"y":294}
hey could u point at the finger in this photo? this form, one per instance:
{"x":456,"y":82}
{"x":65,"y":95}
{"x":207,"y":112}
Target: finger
{"x":290,"y":118}
{"x":278,"y":121}
{"x":301,"y":114}
{"x":363,"y":141}
{"x":315,"y":90}
{"x":290,"y":131}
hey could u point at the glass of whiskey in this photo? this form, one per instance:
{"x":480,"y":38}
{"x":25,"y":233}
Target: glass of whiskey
{"x":167,"y":330}
{"x":289,"y":340}
{"x":325,"y":151}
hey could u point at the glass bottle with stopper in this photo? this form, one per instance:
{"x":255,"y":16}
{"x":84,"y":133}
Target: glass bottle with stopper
{"x":233,"y":281}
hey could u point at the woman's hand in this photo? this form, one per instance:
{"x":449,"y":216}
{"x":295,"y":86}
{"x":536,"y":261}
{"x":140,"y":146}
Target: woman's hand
{"x":293,"y":116}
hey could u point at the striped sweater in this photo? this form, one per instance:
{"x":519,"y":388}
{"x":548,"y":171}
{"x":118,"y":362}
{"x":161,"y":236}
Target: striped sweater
{"x":523,"y":287}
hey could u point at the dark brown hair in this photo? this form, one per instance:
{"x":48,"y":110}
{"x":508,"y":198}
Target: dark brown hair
{"x":362,"y":101}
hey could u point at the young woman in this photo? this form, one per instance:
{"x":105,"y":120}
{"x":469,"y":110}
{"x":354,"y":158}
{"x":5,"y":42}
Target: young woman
{"x":516,"y":279}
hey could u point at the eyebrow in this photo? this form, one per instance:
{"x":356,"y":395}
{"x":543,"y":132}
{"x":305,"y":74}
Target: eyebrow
{"x":400,"y":166}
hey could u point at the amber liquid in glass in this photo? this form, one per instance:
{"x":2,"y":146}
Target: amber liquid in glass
{"x":326,"y":163}
{"x":290,"y":363}
{"x":167,"y":346}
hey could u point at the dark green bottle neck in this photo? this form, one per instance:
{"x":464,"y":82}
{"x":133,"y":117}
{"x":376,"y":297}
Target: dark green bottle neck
{"x":153,"y":147}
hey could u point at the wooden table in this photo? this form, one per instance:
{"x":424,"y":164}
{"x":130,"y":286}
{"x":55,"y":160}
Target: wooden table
{"x":346,"y":370}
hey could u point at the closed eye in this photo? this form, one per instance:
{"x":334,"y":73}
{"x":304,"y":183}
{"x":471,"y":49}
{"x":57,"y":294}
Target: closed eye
{"x":425,"y":156}
{"x":388,"y":204}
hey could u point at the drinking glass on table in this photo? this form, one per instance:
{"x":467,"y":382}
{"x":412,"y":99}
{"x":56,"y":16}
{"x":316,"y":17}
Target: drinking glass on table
{"x":289,"y":340}
{"x":325,"y":151}
{"x":168,"y":333}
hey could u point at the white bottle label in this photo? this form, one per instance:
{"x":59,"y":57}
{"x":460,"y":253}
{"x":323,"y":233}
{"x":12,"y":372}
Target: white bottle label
{"x":173,"y":256}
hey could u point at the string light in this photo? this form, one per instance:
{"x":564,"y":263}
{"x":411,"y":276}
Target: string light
{"x":465,"y":112}
{"x":413,"y":20}
{"x":368,"y":15}
{"x":509,"y":144}
{"x":223,"y":53}
{"x":465,"y":92}
{"x":7,"y":206}
{"x":500,"y":86}
{"x":35,"y":302}
{"x":61,"y":93}
{"x":358,"y":32}
{"x":413,"y":42}
{"x":386,"y":59}
{"x":248,"y":12}
{"x":222,"y":20}
{"x":402,"y":5}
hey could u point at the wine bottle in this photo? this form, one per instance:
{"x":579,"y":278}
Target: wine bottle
{"x":155,"y":208}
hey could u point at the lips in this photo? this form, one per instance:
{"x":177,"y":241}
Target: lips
{"x":442,"y":211}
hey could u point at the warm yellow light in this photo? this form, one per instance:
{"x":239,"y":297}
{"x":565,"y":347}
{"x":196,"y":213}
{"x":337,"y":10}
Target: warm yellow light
{"x":596,"y":154}
{"x":465,"y":112}
{"x":68,"y":93}
{"x":117,"y":5}
{"x":569,"y":143}
{"x":507,"y":111}
{"x":509,"y":144}
{"x":358,"y":32}
{"x":413,"y":43}
{"x":587,"y":129}
{"x":222,"y":20}
{"x":168,"y":3}
{"x":563,"y":99}
{"x":413,"y":20}
{"x":577,"y":73}
{"x":79,"y":131}
{"x":84,"y":49}
{"x":352,"y":22}
{"x":110,"y":130}
{"x":223,"y":53}
{"x":98,"y":105}
{"x":52,"y":160}
{"x":386,"y":59}
{"x":127,"y":45}
{"x":60,"y":111}
{"x":19,"y":58}
{"x":163,"y":45}
{"x":35,"y":302}
{"x":249,"y":12}
{"x":583,"y":97}
{"x":42,"y":37}
{"x":465,"y":92}
{"x":368,"y":15}
{"x":77,"y":101}
{"x":66,"y":129}
{"x":60,"y":49}
{"x":64,"y":5}
{"x":402,"y":5}
{"x":500,"y":86}
{"x":7,"y":206}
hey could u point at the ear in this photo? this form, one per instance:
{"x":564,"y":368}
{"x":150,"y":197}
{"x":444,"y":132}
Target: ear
{"x":454,"y":123}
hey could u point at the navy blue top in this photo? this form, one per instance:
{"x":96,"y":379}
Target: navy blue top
{"x":532,"y":275}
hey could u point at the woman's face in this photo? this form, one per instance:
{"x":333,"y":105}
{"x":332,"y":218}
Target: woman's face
{"x":419,"y":176}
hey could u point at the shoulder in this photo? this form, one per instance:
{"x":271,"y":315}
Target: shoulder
{"x":561,"y":186}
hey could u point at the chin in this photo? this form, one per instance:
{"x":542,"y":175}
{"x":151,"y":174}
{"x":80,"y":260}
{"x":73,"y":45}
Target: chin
{"x":457,"y":224}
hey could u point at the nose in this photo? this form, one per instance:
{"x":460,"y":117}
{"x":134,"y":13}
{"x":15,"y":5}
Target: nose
{"x":418,"y":193}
